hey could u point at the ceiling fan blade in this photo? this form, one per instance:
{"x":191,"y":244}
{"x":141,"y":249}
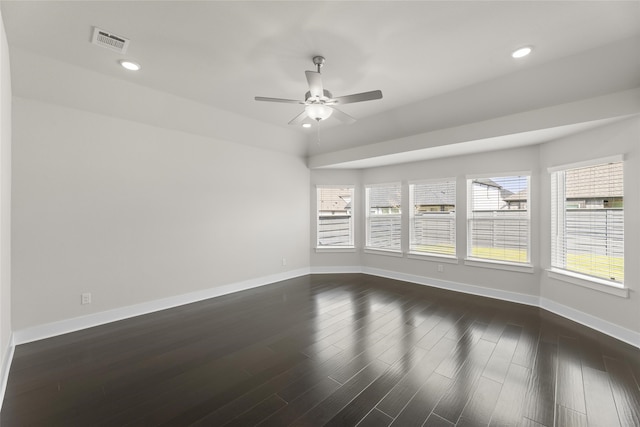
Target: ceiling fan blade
{"x":358,"y":97}
{"x":342,"y":116}
{"x":299,"y":118}
{"x":288,"y":101}
{"x":315,"y":83}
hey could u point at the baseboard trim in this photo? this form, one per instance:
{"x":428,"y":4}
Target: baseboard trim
{"x":6,"y":367}
{"x":53,"y":329}
{"x":49,"y":330}
{"x":336,"y":270}
{"x":531,"y":300}
{"x":593,"y":322}
{"x":616,"y":331}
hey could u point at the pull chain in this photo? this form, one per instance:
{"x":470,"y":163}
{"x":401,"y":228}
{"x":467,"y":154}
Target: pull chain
{"x":318,"y":132}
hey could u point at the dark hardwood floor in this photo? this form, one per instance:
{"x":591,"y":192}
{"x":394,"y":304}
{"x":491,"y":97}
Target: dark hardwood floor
{"x":336,"y":350}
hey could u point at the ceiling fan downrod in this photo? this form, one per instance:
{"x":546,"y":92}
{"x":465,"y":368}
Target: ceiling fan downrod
{"x":318,"y":62}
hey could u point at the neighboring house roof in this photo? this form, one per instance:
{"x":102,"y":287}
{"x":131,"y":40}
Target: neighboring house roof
{"x":335,"y":199}
{"x":442,"y":194}
{"x":594,"y":182}
{"x":488,"y":182}
{"x":385,"y":197}
{"x":520,"y":195}
{"x":504,"y":193}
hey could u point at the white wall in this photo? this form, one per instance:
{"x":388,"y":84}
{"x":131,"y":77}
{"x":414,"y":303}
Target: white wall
{"x":618,"y":138}
{"x":5,"y":202}
{"x":133,"y":213}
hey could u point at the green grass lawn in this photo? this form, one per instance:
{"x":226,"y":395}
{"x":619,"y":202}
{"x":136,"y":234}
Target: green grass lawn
{"x":500,"y":254}
{"x":435,"y":249}
{"x":609,"y":268}
{"x":511,"y":255}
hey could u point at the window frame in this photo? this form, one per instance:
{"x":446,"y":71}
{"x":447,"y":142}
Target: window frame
{"x":352,"y":229}
{"x":470,"y":260}
{"x":570,"y":276}
{"x":368,"y":248}
{"x":417,"y":254}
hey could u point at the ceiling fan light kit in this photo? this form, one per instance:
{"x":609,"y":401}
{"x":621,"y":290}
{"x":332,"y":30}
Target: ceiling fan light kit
{"x":320,"y":103}
{"x":317,"y":111}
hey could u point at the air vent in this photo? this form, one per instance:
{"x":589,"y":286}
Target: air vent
{"x":110,"y":41}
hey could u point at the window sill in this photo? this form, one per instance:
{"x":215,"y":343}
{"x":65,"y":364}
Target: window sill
{"x":596,"y":284}
{"x":387,"y":252}
{"x":447,"y":259}
{"x":329,"y":249}
{"x":519,"y":268}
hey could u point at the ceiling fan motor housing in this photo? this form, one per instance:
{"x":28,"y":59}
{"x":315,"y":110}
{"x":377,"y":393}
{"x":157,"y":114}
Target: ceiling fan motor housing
{"x":326,"y":97}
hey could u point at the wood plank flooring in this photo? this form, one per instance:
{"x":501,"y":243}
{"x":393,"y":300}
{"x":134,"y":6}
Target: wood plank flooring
{"x":335,"y":350}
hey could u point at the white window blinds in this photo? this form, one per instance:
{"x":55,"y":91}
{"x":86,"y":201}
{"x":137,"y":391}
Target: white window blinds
{"x":498,"y":219}
{"x":433,"y":218}
{"x":383,"y":217}
{"x":335,"y":217}
{"x":587,"y":221}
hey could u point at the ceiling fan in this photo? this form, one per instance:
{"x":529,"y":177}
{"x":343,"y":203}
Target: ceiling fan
{"x":319,"y":103}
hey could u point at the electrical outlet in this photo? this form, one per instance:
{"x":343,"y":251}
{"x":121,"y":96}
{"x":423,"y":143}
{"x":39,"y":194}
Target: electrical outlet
{"x":440,"y":268}
{"x":85,"y":298}
{"x":284,"y":261}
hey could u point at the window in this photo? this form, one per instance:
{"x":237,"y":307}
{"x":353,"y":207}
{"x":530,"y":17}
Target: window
{"x":433,"y":218}
{"x":498,"y":219}
{"x":587,"y":221}
{"x":335,"y":217}
{"x":384,"y":222}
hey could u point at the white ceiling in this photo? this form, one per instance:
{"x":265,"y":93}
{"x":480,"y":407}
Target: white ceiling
{"x":439,"y":64}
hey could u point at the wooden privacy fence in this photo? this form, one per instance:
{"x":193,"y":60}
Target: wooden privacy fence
{"x":598,"y":231}
{"x":595,"y":231}
{"x":334,"y":230}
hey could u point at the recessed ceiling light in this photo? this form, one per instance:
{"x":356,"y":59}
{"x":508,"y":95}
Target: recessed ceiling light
{"x":306,"y":125}
{"x":129,"y":65}
{"x":522,"y":52}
